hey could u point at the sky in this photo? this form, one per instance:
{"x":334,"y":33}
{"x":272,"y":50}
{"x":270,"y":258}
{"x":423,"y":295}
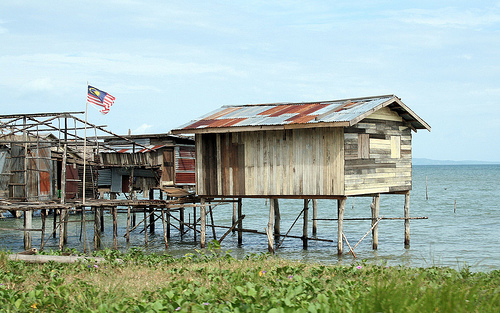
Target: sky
{"x":168,"y":62}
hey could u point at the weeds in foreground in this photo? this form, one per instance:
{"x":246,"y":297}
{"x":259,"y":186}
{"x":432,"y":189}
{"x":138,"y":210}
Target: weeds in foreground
{"x":212,"y":281}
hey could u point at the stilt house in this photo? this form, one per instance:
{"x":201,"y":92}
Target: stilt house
{"x":147,"y":162}
{"x":326,"y":149}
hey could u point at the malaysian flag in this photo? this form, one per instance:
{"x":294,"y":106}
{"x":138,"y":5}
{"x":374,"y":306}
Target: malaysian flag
{"x":102,"y":100}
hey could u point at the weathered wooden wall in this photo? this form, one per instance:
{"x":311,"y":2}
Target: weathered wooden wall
{"x":378,"y":154}
{"x":298,"y":162}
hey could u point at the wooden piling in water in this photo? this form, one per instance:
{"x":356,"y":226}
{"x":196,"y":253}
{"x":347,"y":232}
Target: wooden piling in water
{"x":240,"y":224}
{"x":340,"y":226}
{"x":407,"y":220}
{"x":28,"y":223}
{"x":114,"y":211}
{"x":277,"y":220}
{"x":165,"y":239}
{"x":202,"y":223}
{"x":315,"y":216}
{"x":304,"y":225}
{"x":375,"y":207}
{"x":270,"y":227}
{"x":97,"y":227}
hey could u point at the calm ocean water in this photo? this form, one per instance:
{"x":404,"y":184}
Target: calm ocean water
{"x":468,"y":236}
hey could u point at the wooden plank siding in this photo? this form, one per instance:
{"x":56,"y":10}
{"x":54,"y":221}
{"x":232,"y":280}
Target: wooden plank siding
{"x":388,"y":165}
{"x":296,"y":162}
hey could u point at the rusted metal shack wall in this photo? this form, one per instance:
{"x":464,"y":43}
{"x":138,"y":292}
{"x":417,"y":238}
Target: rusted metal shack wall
{"x":295,"y":163}
{"x":378,"y":155}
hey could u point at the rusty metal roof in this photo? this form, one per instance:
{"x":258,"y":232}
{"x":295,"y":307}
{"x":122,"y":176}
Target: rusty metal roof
{"x":345,"y":112}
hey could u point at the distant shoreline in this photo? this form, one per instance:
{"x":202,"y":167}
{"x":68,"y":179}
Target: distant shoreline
{"x":424,"y":161}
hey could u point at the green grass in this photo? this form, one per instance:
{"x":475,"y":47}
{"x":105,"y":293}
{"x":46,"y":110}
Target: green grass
{"x":210,"y":281}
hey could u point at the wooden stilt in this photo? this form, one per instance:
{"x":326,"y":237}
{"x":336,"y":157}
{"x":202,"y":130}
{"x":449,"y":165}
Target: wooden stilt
{"x":407,"y":220}
{"x":43,"y":215}
{"x":151,"y":217}
{"x":240,"y":224}
{"x":54,"y":224}
{"x":277,"y":220}
{"x":101,"y":212}
{"x":28,"y":218}
{"x":315,"y":216}
{"x":97,"y":228}
{"x":128,"y":224}
{"x":115,"y":227}
{"x":181,"y":223}
{"x":65,"y":227}
{"x":270,"y":227}
{"x":62,"y":217}
{"x":214,"y":235}
{"x":235,"y":212}
{"x":375,"y":212}
{"x":164,"y":228}
{"x":84,"y":230}
{"x":202,"y":223}
{"x":340,"y":213}
{"x":194,"y":222}
{"x":152,"y":220}
{"x":168,"y":223}
{"x":145,"y":228}
{"x":304,"y":225}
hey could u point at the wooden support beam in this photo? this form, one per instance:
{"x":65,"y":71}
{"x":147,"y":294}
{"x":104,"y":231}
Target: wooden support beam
{"x":128,"y":224}
{"x":114,"y":210}
{"x":240,"y":224}
{"x":340,"y":226}
{"x":181,"y":222}
{"x":164,"y":228}
{"x":97,"y":227}
{"x":315,"y":217}
{"x":304,"y":225}
{"x":203,"y":229}
{"x":407,"y":220}
{"x":270,"y":227}
{"x":375,"y":207}
{"x":277,"y":219}
{"x":28,"y":223}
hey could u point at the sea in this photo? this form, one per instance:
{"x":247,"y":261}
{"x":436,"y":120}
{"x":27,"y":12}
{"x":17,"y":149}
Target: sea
{"x":462,"y":229}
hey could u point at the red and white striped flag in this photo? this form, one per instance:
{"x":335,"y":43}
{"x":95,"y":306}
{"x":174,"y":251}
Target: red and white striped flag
{"x":102,"y":100}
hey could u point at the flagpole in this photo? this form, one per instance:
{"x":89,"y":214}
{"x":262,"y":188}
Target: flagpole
{"x":85,"y":147}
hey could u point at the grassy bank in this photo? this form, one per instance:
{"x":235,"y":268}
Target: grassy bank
{"x":209,"y":282}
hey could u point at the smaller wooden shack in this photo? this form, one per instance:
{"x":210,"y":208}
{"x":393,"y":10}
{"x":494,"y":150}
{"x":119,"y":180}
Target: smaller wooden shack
{"x":310,"y":150}
{"x":147,"y":162}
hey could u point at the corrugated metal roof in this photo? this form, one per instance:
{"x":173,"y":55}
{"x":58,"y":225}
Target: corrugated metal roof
{"x":281,"y":114}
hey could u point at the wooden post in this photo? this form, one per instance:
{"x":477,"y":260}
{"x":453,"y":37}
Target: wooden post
{"x":212,"y":221}
{"x":181,"y":218}
{"x":97,"y":228}
{"x":128,"y":224}
{"x":240,"y":224}
{"x":54,"y":225}
{"x":277,"y":220}
{"x":194,"y":223}
{"x":115,"y":227}
{"x":375,"y":212}
{"x":84,"y":229}
{"x":145,"y":227}
{"x":235,"y":212}
{"x":65,"y":226}
{"x":340,"y":213}
{"x":269,"y":230}
{"x":203,"y":230}
{"x":101,"y":212}
{"x":28,"y":218}
{"x":315,"y":216}
{"x":168,"y":223}
{"x":43,"y":215}
{"x":63,"y":172}
{"x":407,"y":219}
{"x":304,"y":225}
{"x":62,"y":228}
{"x":164,"y":228}
{"x":152,"y":216}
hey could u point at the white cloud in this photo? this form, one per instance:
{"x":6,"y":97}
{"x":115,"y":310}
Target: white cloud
{"x":40,"y":84}
{"x":450,"y":17}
